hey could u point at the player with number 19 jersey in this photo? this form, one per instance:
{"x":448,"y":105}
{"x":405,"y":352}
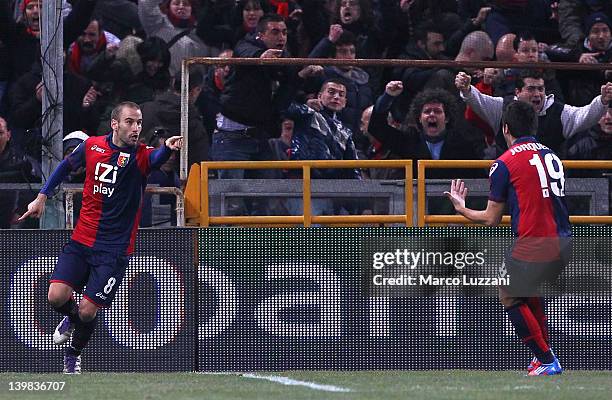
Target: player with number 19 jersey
{"x":529,"y":178}
{"x":112,"y":193}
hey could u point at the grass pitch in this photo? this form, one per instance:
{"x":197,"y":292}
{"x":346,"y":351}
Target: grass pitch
{"x":378,"y":385}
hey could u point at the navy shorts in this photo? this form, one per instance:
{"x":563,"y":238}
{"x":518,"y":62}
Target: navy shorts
{"x":98,"y":271}
{"x":527,"y":278}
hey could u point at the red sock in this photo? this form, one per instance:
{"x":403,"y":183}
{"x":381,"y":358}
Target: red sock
{"x":528,"y":330}
{"x":536,"y":305}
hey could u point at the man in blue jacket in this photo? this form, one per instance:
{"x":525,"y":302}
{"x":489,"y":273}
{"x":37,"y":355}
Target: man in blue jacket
{"x":319,"y":135}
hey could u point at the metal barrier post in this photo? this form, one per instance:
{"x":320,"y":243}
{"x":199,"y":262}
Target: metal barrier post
{"x":204,"y":211}
{"x":307,"y":195}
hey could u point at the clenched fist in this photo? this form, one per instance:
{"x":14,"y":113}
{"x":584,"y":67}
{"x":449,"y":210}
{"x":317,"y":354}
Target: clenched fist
{"x":394,"y":88}
{"x":463,"y":83}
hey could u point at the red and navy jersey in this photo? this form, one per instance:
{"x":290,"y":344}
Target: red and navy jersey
{"x":529,"y":177}
{"x":112,"y":193}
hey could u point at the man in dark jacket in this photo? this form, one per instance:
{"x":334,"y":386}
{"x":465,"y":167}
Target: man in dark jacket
{"x":248,"y":102}
{"x":14,"y":168}
{"x":165,"y":111}
{"x":320,"y":135}
{"x":432,"y":136}
{"x":250,"y":107}
{"x":22,"y":39}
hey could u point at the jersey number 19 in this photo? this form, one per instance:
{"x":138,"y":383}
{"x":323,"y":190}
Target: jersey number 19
{"x":553,"y":173}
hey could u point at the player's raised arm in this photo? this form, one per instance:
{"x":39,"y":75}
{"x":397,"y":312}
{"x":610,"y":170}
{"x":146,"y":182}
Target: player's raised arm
{"x":489,"y":217}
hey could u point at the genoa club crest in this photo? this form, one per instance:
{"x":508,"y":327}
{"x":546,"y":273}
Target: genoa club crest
{"x":123,"y":159}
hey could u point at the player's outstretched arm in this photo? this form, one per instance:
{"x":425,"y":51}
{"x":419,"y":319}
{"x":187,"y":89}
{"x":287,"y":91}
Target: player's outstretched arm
{"x":36,"y":207}
{"x":174,"y":142}
{"x":489,"y":217}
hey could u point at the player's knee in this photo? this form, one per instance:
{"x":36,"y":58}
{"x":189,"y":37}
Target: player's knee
{"x":87,"y":311}
{"x":57,"y":297}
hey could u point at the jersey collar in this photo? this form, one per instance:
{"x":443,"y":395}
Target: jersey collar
{"x":109,"y":141}
{"x":524,"y":139}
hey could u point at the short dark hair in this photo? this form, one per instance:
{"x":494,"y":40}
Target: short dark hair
{"x":422,"y":29}
{"x":521,"y":119}
{"x":522,"y":36}
{"x":337,"y":81}
{"x":262,"y":25}
{"x":116,"y":113}
{"x":195,"y":79}
{"x":527,"y":73}
{"x":154,"y":49}
{"x":433,"y":96}
{"x":347,"y":37}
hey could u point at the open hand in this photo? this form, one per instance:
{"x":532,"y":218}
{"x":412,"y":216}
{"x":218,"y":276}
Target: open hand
{"x":458,"y":193}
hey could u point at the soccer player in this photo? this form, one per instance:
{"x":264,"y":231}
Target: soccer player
{"x":529,"y":177}
{"x":97,"y":255}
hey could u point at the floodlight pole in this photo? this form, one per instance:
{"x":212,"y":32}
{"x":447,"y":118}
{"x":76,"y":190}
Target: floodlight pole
{"x":183,"y":168}
{"x":52,"y":51}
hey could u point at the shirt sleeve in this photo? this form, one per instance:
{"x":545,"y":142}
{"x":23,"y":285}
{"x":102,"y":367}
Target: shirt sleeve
{"x":58,"y":175}
{"x":499,"y":179}
{"x":75,"y":160}
{"x":77,"y":157}
{"x":158,"y":156}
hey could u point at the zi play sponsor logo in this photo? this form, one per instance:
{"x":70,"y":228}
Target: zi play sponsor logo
{"x":105,"y":173}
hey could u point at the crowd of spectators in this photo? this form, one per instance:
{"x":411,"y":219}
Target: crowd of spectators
{"x":131,"y":50}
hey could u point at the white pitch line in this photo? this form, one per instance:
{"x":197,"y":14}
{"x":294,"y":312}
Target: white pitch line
{"x":288,"y":381}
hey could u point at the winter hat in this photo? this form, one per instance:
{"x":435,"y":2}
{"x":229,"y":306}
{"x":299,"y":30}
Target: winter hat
{"x":594,"y":18}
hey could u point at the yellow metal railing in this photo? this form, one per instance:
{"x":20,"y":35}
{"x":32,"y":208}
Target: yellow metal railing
{"x":307,"y":219}
{"x":422,"y":218}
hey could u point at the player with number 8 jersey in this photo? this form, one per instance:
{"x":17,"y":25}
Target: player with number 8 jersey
{"x":96,"y":257}
{"x":529,"y":178}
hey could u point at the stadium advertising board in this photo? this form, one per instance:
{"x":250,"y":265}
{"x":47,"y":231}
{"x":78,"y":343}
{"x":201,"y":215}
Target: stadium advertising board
{"x":279,"y":299}
{"x":276,"y":299}
{"x":150,"y":326}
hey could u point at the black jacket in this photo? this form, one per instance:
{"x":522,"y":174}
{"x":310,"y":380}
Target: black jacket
{"x":413,"y":145}
{"x":209,"y":102}
{"x":24,"y":49}
{"x":26,"y":110}
{"x":248,"y":96}
{"x":165,"y":111}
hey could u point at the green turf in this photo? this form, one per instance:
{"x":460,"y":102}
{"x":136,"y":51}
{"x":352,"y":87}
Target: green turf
{"x":379,"y":385}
